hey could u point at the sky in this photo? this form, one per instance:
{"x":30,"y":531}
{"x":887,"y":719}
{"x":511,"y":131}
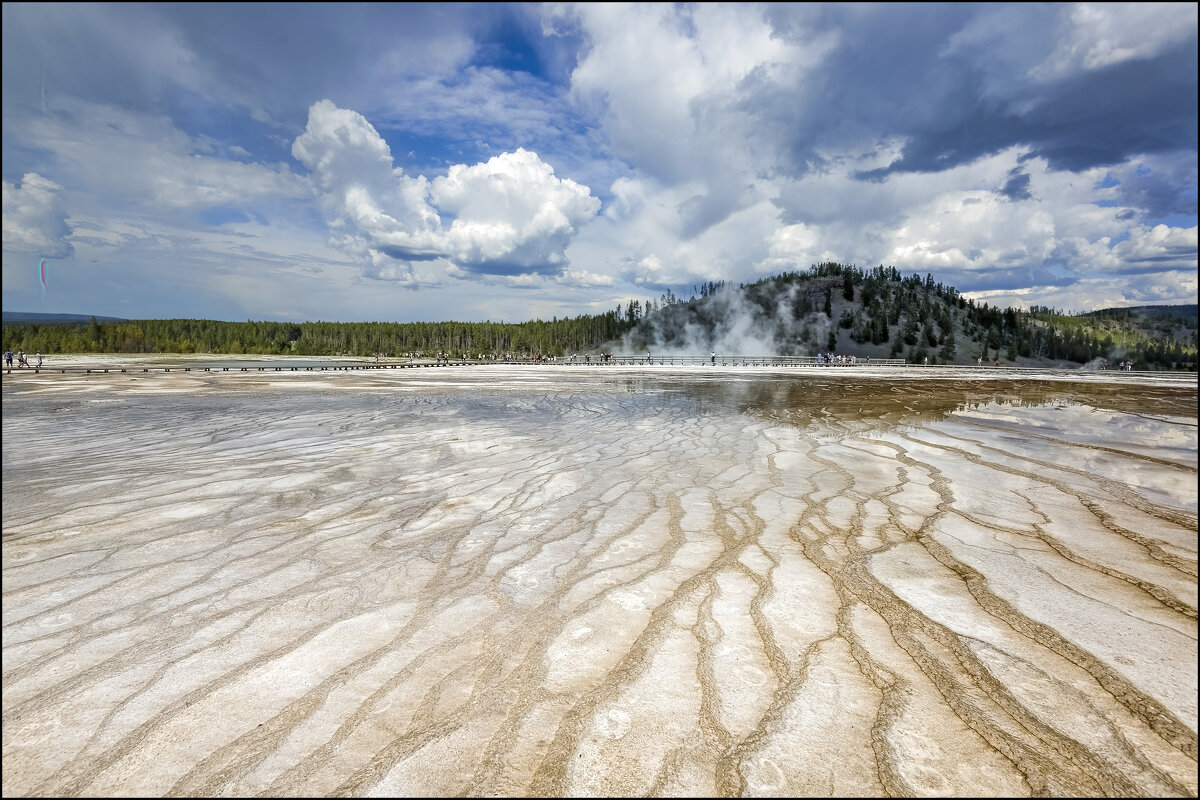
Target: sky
{"x":509,"y":162}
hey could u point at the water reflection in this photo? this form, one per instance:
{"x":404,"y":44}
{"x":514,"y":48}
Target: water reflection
{"x":887,"y":404}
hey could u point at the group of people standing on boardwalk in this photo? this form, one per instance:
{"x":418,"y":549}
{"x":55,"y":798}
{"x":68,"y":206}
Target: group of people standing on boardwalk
{"x":832,"y":358}
{"x":22,"y":359}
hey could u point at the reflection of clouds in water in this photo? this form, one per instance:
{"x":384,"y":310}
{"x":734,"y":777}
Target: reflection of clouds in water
{"x":1082,"y":423}
{"x":1155,"y":455}
{"x":679,"y":577}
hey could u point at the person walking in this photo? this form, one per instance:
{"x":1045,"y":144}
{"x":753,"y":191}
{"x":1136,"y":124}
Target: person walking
{"x":39,"y":359}
{"x":8,"y":358}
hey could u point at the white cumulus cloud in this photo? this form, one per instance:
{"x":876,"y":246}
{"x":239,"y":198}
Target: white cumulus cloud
{"x":1099,"y":35}
{"x":512,"y":210}
{"x":35,"y":218}
{"x":508,"y":216}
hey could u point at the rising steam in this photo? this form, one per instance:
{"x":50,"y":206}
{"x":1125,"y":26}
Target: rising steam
{"x":761,"y":319}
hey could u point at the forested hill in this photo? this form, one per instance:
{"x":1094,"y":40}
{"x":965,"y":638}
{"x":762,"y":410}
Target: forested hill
{"x":840,"y":308}
{"x":830,"y":307}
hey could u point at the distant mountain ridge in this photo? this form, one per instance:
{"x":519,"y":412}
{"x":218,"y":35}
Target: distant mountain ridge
{"x":1185,"y":313}
{"x":1183,"y":309}
{"x":41,"y":318}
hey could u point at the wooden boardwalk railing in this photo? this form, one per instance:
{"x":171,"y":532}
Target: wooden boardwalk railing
{"x":569,"y":361}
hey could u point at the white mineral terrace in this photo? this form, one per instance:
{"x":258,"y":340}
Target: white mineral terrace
{"x":555,"y":581}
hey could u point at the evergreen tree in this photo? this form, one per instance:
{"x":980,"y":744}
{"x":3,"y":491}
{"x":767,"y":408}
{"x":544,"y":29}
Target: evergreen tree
{"x":948,"y":348}
{"x":931,"y":337}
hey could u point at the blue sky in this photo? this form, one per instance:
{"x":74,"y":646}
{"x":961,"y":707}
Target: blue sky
{"x":509,"y":161}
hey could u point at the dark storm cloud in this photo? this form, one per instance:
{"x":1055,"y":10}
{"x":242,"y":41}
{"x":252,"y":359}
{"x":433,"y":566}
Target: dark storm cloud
{"x":881,"y":78}
{"x":1006,"y":279}
{"x":1096,"y":119}
{"x":906,"y":71}
{"x":231,"y":51}
{"x":1108,"y":115}
{"x":507,"y":269}
{"x":1162,"y":188}
{"x":407,"y":253}
{"x":1017,"y":185}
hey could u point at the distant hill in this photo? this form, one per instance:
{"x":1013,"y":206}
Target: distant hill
{"x":843,"y":309}
{"x":38,"y":318}
{"x":1180,"y":315}
{"x":1174,"y":323}
{"x":1187,"y":311}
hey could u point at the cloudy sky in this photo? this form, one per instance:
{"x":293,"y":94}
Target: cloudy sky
{"x":508,"y":162}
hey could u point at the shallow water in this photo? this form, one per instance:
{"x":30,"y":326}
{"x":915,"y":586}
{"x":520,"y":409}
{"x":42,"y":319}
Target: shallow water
{"x":554,"y":581}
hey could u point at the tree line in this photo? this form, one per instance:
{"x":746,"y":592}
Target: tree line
{"x":555,"y":337}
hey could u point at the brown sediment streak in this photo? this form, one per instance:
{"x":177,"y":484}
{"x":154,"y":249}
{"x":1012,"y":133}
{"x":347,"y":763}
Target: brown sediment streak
{"x":1100,"y":449}
{"x":530,"y":674}
{"x":1152,"y":548}
{"x":1025,"y":740}
{"x":549,"y":779}
{"x":1156,"y":717}
{"x":1110,"y":487}
{"x":524,"y":585}
{"x":1149,"y":710}
{"x":1146,"y":708}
